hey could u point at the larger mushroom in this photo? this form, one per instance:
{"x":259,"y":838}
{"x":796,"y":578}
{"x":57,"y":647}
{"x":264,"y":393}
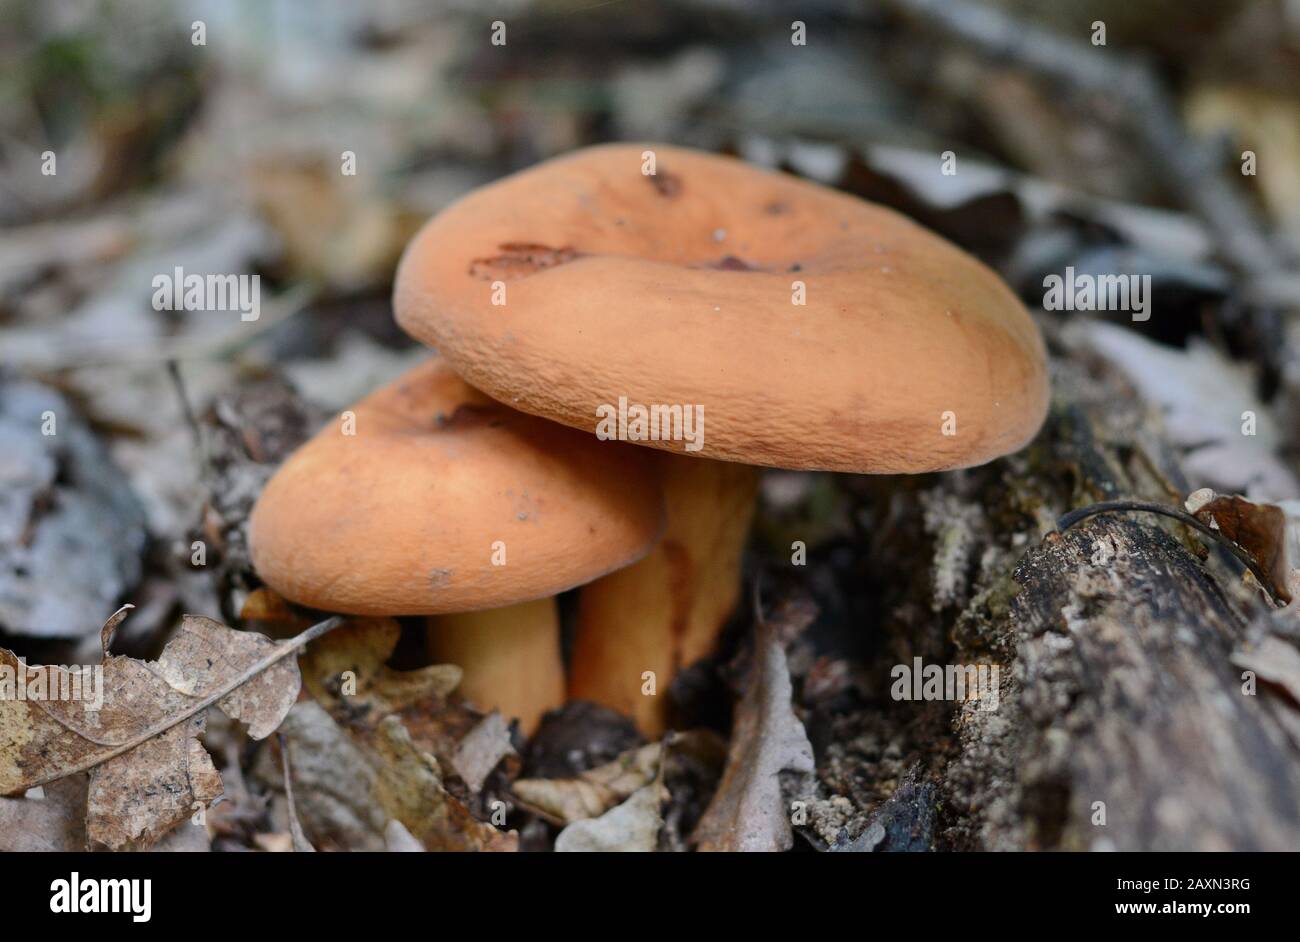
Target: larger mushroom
{"x":814,"y":330}
{"x":443,"y":502}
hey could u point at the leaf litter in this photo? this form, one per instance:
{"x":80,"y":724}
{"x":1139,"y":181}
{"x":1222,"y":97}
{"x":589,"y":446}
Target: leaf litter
{"x":138,"y":737}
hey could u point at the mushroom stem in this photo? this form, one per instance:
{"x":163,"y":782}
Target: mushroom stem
{"x":510,"y":656}
{"x":666,"y":612}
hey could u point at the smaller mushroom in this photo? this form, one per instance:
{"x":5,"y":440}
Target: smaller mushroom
{"x":443,"y":502}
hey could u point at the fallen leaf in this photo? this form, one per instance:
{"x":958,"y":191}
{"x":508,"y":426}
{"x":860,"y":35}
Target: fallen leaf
{"x":64,"y":507}
{"x":136,"y":728}
{"x":593,"y":792}
{"x":276,"y":842}
{"x":398,"y":840}
{"x":632,"y":826}
{"x":1204,"y":396}
{"x":410,"y":789}
{"x":749,"y":812}
{"x":333,"y":781}
{"x":353,"y":659}
{"x":299,"y":840}
{"x":362,"y":747}
{"x":1259,"y":529}
{"x":1275,"y":661}
{"x":482,"y":749}
{"x":204,"y":654}
{"x":349,"y":784}
{"x":55,"y":821}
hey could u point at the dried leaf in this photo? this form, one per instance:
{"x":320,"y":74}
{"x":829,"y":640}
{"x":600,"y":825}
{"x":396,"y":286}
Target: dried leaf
{"x":1260,"y":530}
{"x":64,"y":507}
{"x":362,"y":753}
{"x":410,"y":789}
{"x":56,"y":821}
{"x":332,"y":780}
{"x":749,"y":812}
{"x":136,"y":730}
{"x":1204,"y":396}
{"x":356,"y":654}
{"x":204,"y":655}
{"x":593,"y":792}
{"x":632,"y":826}
{"x":349,"y":784}
{"x":299,"y":840}
{"x":398,"y":840}
{"x":1275,"y":661}
{"x":482,"y":749}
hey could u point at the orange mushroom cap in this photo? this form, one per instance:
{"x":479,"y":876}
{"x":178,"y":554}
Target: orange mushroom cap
{"x":404,"y":516}
{"x":680,"y":288}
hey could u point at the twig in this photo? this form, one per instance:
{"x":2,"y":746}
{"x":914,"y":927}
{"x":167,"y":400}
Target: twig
{"x":1133,"y":506}
{"x":300,"y":843}
{"x":187,"y":410}
{"x":283,"y":650}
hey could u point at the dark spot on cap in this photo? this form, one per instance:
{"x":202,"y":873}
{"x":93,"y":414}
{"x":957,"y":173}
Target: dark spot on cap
{"x":732,"y":263}
{"x":469,"y":415}
{"x":666,"y":184}
{"x":520,"y":259}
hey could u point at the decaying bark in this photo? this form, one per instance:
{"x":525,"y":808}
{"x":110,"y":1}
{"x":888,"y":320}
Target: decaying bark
{"x":1119,"y":699}
{"x":1123,"y":694}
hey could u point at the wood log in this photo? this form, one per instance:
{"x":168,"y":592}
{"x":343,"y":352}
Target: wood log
{"x":1120,"y":703}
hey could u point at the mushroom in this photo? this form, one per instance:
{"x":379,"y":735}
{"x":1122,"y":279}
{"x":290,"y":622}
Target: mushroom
{"x":446,"y":503}
{"x":666,"y":611}
{"x":810,"y":329}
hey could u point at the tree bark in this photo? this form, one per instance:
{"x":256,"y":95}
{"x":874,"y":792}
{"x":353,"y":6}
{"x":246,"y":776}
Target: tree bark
{"x":1120,"y":703}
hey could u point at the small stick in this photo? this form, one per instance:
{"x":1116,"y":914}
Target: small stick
{"x":1066,"y":521}
{"x":283,"y":650}
{"x":174,"y":371}
{"x":300,"y":843}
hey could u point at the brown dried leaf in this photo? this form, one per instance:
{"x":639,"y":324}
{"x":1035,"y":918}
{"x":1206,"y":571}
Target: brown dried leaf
{"x":148,"y":770}
{"x":204,"y":655}
{"x":351,"y":784}
{"x":356,"y":653}
{"x":1260,"y":530}
{"x":410,"y":790}
{"x":390,"y":775}
{"x":593,"y":792}
{"x":748,"y":812}
{"x":482,"y":749}
{"x":56,"y":822}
